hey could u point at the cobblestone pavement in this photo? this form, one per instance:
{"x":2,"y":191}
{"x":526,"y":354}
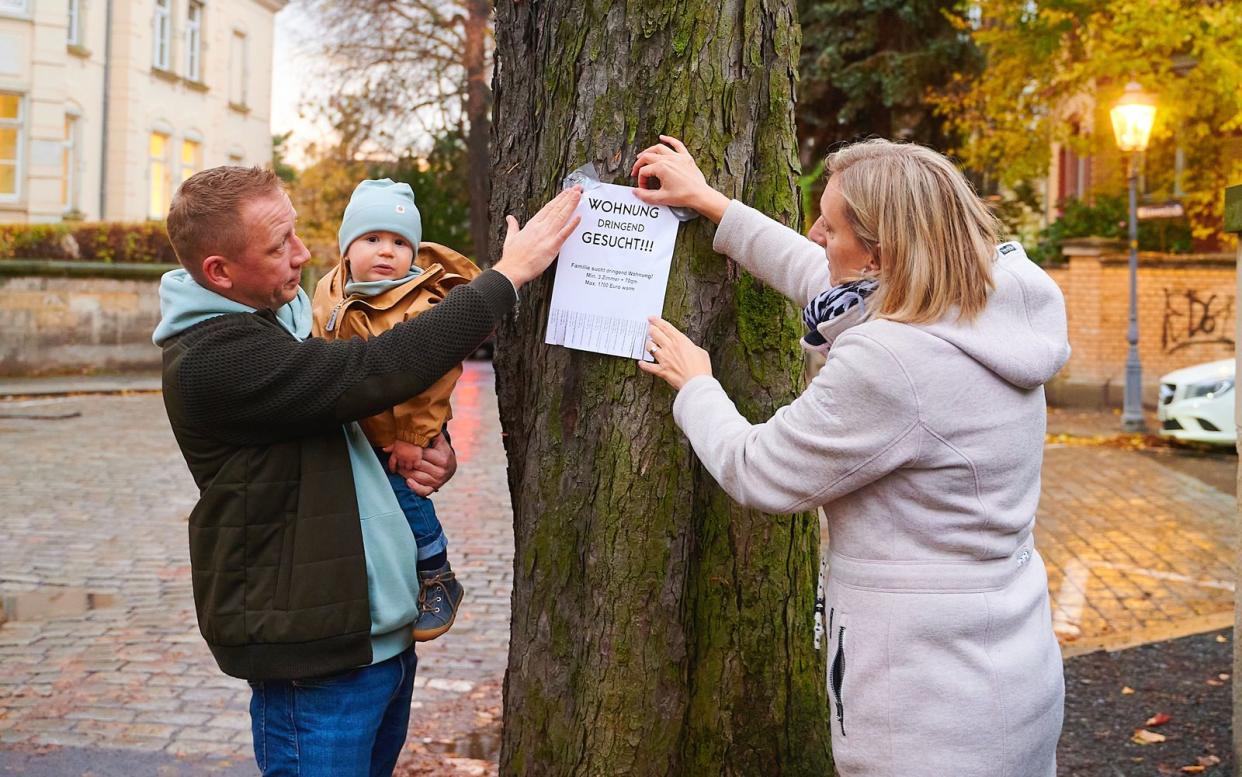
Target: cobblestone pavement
{"x":134,"y":672}
{"x":96,"y":503}
{"x":1137,"y":551}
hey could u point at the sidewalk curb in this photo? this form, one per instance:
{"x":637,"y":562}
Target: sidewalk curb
{"x":78,"y":384}
{"x":1183,"y":628}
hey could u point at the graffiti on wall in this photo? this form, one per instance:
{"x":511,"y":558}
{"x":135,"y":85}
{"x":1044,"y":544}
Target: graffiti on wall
{"x":1191,"y":318}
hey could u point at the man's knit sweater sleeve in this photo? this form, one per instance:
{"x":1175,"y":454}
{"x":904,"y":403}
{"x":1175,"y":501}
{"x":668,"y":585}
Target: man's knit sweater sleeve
{"x":246,"y":379}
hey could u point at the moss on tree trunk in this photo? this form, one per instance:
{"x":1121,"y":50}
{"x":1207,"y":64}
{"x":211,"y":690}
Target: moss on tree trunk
{"x":658,"y":628}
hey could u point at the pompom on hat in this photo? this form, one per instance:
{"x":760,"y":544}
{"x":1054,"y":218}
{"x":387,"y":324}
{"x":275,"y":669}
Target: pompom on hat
{"x":381,"y":206}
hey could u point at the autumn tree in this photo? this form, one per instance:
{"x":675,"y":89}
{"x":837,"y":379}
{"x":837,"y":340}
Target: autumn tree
{"x":322,"y":189}
{"x":658,"y":628}
{"x":1056,"y":66}
{"x":867,"y":67}
{"x":415,"y":71}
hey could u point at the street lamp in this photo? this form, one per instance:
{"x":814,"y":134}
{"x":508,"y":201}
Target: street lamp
{"x":1132,"y":118}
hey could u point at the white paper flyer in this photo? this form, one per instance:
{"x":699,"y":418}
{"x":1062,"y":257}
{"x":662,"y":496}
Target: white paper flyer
{"x":612,"y":274}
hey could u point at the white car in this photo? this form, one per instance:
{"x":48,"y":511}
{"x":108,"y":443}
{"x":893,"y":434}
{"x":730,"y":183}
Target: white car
{"x":1196,"y":404}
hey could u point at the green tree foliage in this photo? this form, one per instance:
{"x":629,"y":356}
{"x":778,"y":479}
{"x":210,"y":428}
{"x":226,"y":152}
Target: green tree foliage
{"x":1107,"y":216}
{"x":441,"y":190}
{"x":867,"y":65}
{"x":1056,"y":61}
{"x":283,"y":169}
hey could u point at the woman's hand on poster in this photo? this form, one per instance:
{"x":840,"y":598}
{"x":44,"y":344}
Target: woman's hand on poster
{"x":681,"y":181}
{"x":677,"y":359}
{"x":530,"y":249}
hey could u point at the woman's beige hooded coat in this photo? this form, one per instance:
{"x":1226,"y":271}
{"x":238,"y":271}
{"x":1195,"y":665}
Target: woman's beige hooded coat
{"x":923,"y":444}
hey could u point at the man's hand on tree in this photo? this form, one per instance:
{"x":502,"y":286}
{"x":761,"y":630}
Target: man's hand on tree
{"x":530,"y":249}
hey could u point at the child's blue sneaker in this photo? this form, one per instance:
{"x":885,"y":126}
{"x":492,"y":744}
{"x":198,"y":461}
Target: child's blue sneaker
{"x":438,"y":598}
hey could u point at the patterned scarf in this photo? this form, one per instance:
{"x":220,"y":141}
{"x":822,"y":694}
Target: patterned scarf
{"x":835,"y":310}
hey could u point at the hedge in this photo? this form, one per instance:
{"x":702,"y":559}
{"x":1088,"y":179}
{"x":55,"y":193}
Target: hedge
{"x":143,"y":242}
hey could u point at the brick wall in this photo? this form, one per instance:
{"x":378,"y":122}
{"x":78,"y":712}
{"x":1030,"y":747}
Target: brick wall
{"x":54,"y":325}
{"x":1186,"y":315}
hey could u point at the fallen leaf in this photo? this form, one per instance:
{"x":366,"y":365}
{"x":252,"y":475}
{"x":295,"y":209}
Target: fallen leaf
{"x":1144,"y":737}
{"x":1221,"y":638}
{"x":1208,"y":760}
{"x":1159,"y":719}
{"x":1127,"y":691}
{"x":1196,"y":769}
{"x":1223,"y":675}
{"x":1215,"y":683}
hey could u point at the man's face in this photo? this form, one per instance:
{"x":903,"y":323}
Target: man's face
{"x":267,"y":271}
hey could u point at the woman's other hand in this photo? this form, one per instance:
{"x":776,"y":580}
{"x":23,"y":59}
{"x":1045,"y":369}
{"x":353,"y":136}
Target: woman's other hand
{"x":681,"y":182}
{"x":677,"y":359}
{"x":530,"y":249}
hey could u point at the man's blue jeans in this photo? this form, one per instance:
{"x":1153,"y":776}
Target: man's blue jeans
{"x":347,"y":725}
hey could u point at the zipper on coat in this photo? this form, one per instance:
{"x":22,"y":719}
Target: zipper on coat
{"x":838,"y":678}
{"x":332,"y":317}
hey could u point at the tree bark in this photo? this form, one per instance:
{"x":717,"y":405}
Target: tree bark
{"x":478,"y":109}
{"x":658,"y":628}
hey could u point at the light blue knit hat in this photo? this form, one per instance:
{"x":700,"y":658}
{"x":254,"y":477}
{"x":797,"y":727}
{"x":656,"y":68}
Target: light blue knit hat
{"x":381,"y":206}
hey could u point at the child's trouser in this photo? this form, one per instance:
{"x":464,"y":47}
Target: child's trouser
{"x":420,"y":513}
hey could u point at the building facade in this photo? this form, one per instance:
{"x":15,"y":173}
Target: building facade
{"x":107,"y":105}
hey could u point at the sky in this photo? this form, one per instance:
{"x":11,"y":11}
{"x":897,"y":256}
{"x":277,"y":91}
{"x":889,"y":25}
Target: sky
{"x":297,"y":59}
{"x":292,"y":66}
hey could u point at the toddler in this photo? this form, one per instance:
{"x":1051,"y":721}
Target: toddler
{"x":387,"y":275}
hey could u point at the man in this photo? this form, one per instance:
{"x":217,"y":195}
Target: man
{"x":303,"y":564}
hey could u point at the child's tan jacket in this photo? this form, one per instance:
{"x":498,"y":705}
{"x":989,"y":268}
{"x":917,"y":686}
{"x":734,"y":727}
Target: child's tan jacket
{"x":419,"y":419}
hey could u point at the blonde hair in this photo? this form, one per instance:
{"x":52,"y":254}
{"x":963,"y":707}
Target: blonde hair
{"x":205,"y":215}
{"x":933,"y":236}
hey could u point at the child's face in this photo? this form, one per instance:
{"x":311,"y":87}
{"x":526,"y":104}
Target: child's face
{"x":379,"y":256}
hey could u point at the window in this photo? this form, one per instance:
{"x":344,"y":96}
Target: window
{"x":160,"y":33}
{"x":239,"y":69}
{"x":161,"y":182}
{"x":69,"y":164}
{"x":191,"y":158}
{"x":10,"y":145}
{"x":194,"y":41}
{"x":1075,"y":175}
{"x":1073,"y":171}
{"x":73,"y":34}
{"x":14,"y":6}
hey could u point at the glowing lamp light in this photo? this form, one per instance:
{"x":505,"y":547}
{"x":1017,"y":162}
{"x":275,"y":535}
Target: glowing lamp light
{"x":1132,"y":118}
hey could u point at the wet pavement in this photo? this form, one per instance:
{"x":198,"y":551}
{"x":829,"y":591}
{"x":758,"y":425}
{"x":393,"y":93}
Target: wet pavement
{"x":94,"y":497}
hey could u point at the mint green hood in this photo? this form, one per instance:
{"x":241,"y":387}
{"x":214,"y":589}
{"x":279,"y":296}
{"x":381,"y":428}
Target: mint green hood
{"x":184,"y":303}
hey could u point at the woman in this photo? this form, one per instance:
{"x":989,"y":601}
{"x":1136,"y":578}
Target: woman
{"x":921,"y":438}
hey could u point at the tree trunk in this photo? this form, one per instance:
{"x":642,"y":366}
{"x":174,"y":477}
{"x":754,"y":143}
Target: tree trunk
{"x":478,"y":107}
{"x":658,"y":628}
